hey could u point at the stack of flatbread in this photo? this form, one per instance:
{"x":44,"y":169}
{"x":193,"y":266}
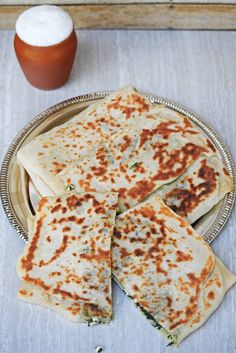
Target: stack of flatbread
{"x":166,"y":174}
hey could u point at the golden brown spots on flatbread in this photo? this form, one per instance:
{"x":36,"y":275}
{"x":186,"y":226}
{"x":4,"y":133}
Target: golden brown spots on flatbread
{"x":169,"y":302}
{"x":148,"y":212}
{"x":211,"y":146}
{"x":108,"y":299}
{"x":100,"y":210}
{"x":178,"y":157}
{"x":66,"y":229}
{"x":181,"y":256}
{"x":57,"y":252}
{"x":58,"y":167}
{"x":106,"y":289}
{"x":25,"y":293}
{"x":100,"y":256}
{"x":211,"y":295}
{"x":126,"y":144}
{"x":138,"y":271}
{"x":165,"y":129}
{"x":95,"y":309}
{"x":41,"y":204}
{"x":196,"y":320}
{"x":218,"y":282}
{"x":55,"y":208}
{"x":135,"y":287}
{"x":65,"y":294}
{"x":124,"y":253}
{"x":117,"y":233}
{"x":143,"y":303}
{"x":55,"y":273}
{"x":225,"y":171}
{"x":139,"y":252}
{"x":38,"y":282}
{"x":189,"y":231}
{"x":71,"y":219}
{"x":74,"y":309}
{"x":163,"y":264}
{"x":73,"y":202}
{"x":140,"y":169}
{"x":139,"y":105}
{"x":192,"y":197}
{"x":27,"y":261}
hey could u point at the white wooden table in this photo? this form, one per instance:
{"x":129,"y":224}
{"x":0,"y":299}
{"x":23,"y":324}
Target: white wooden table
{"x":198,"y":69}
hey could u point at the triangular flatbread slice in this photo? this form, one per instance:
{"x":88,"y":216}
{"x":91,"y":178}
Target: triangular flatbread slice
{"x":164,"y":265}
{"x":68,"y":257}
{"x":198,"y":189}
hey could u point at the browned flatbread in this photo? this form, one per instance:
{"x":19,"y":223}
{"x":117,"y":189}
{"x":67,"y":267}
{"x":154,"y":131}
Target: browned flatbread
{"x":167,"y":269}
{"x":67,"y":261}
{"x":197,"y":190}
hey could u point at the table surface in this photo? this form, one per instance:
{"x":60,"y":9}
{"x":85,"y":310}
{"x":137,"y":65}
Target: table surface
{"x":195,"y":68}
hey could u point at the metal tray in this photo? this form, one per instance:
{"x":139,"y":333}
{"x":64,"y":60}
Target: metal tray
{"x":11,"y":188}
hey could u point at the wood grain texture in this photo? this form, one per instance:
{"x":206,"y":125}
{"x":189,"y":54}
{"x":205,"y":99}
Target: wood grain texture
{"x":197,"y":69}
{"x":72,"y":2}
{"x":146,"y":16}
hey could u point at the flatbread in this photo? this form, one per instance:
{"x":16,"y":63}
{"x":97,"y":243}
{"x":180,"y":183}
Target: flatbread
{"x":163,"y":265}
{"x":138,"y":160}
{"x":198,"y":189}
{"x":75,"y":311}
{"x":49,"y":153}
{"x":212,"y":294}
{"x":161,"y":261}
{"x":119,"y":143}
{"x":67,"y":257}
{"x":174,"y":117}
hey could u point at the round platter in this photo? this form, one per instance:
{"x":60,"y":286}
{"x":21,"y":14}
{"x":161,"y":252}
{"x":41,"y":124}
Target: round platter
{"x":11,"y":188}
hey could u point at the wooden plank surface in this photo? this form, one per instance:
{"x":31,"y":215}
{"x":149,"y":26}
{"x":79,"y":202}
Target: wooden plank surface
{"x":161,"y":16}
{"x":195,"y":68}
{"x":72,"y":2}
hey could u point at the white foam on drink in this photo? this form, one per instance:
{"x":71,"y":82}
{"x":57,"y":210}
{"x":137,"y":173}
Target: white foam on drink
{"x":44,"y":25}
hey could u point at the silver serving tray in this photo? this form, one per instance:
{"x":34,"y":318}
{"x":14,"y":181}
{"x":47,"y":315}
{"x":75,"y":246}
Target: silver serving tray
{"x":11,"y":187}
